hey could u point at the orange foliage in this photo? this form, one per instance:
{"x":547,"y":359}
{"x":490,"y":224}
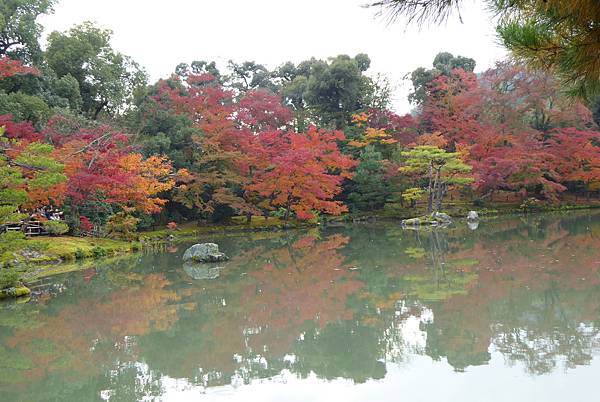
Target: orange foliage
{"x":151,"y":177}
{"x":371,"y":134}
{"x":434,"y":139}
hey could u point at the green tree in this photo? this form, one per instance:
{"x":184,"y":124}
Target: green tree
{"x":443,"y":64}
{"x":55,"y":92}
{"x":19,"y":31}
{"x":32,"y":170}
{"x":337,"y":89}
{"x":25,"y":107}
{"x":107,"y":79}
{"x":293,"y":92}
{"x":162,"y":130}
{"x":249,"y":75}
{"x":412,"y":195}
{"x":559,"y":35}
{"x":66,"y":92}
{"x":329,"y":92}
{"x":441,"y":168}
{"x":199,"y":67}
{"x":370,"y":188}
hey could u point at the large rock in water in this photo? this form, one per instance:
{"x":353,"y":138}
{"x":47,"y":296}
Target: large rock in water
{"x":411,"y":222}
{"x":472,"y":216}
{"x":204,"y":252}
{"x":441,"y":217}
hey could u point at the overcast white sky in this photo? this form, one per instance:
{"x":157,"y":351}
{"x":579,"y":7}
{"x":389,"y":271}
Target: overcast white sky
{"x":159,"y":34}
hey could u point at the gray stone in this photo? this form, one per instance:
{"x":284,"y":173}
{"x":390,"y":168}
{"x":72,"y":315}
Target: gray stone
{"x":441,"y":217}
{"x":472,"y":216}
{"x":204,"y":252}
{"x":411,"y":222}
{"x":31,"y":254}
{"x":202,"y":271}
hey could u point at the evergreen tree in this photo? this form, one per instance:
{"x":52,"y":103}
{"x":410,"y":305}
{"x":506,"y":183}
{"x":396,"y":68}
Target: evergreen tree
{"x":369,"y":185}
{"x":557,"y":35}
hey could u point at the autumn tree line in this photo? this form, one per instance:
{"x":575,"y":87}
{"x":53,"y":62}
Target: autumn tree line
{"x":83,"y":131}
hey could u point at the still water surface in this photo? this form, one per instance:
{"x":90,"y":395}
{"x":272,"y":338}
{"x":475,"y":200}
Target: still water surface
{"x":509,"y":311}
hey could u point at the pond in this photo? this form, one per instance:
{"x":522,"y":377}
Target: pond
{"x":506,"y":311}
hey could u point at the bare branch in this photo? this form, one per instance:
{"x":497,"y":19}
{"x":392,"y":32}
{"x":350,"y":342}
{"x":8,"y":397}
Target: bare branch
{"x":418,"y":11}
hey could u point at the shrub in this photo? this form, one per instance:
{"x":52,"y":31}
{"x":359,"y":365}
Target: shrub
{"x":85,"y":225}
{"x":56,"y":228}
{"x":531,"y":204}
{"x":9,"y":278}
{"x":122,"y":226}
{"x":98,"y":252}
{"x":79,"y":254}
{"x":10,"y":243}
{"x":478,"y":202}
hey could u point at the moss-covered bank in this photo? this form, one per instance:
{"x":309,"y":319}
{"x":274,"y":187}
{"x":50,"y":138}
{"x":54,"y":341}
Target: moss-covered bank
{"x":14,"y":292}
{"x":69,"y":248}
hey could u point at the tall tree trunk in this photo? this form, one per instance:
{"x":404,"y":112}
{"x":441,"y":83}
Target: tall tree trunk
{"x":430,"y":190}
{"x":440,"y":196}
{"x":435,"y":191}
{"x":287,"y":211}
{"x":99,"y":109}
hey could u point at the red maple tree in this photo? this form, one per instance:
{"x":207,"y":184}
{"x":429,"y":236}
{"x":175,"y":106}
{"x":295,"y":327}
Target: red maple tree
{"x":303,"y":172}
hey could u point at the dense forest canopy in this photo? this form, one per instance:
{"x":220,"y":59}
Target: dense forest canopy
{"x":84,"y":131}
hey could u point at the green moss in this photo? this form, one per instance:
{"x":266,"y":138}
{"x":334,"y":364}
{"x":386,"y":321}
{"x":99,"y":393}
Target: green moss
{"x":68,"y":248}
{"x":14,"y":292}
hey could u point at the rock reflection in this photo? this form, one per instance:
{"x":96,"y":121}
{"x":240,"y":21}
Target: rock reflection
{"x":199,"y":271}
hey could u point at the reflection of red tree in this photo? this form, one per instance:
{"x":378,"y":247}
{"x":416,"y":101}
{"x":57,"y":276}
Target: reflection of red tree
{"x":89,"y":274}
{"x":303,"y":282}
{"x":81,"y":338}
{"x":562,"y":258}
{"x":263,"y":312}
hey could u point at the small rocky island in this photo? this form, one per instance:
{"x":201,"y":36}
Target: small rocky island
{"x":437,"y":219}
{"x":204,"y":252}
{"x":200,"y":261}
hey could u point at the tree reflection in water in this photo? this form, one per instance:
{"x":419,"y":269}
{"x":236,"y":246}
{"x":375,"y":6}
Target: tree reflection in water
{"x":338,"y":302}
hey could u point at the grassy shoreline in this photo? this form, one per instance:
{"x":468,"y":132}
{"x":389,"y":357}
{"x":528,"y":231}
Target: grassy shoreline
{"x":68,"y":253}
{"x":49,"y":255}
